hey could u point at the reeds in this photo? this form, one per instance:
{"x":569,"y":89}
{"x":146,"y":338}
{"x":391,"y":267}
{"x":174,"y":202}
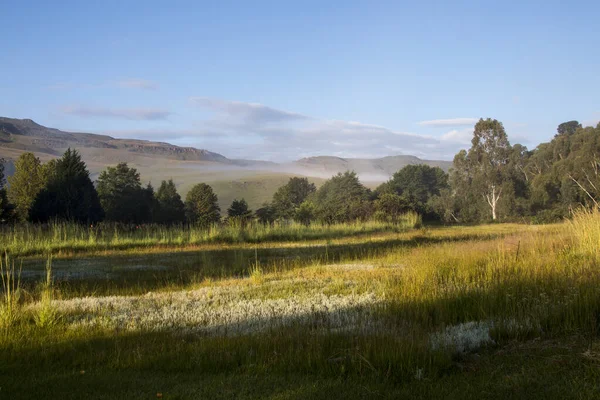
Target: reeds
{"x":11,"y":291}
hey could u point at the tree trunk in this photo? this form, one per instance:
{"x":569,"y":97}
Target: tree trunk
{"x":492,"y":199}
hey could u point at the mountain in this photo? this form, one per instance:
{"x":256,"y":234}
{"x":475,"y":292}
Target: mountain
{"x":24,"y":134}
{"x":231,"y":178}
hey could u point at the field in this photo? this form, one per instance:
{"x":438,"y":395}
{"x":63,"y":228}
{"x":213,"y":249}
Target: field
{"x":290,"y":312}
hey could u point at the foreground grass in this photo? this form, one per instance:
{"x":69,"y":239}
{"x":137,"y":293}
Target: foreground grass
{"x":486,"y":312}
{"x":531,"y":370}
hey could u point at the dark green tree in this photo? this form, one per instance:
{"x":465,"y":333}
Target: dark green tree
{"x":171,"y":209}
{"x":288,"y":197}
{"x":69,"y":193}
{"x":6,"y":209}
{"x":341,"y":199}
{"x":265,"y":214}
{"x":568,"y":128}
{"x":201,"y":205}
{"x":239,"y":210}
{"x":122,"y":196}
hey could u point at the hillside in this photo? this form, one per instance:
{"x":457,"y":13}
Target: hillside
{"x":231,"y":178}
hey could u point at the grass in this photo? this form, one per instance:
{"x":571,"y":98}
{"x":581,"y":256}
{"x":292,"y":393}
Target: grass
{"x":11,"y":285}
{"x":60,"y":238}
{"x":498,"y":311}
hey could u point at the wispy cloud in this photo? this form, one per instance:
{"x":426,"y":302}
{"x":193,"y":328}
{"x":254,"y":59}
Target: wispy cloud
{"x":253,"y":112}
{"x":251,"y":130}
{"x":137,"y":114}
{"x":137,"y":84}
{"x":444,"y":123}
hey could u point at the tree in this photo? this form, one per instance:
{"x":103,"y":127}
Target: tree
{"x":239,"y":210}
{"x":201,"y":205}
{"x":69,"y":193}
{"x":29,"y":179}
{"x":390,"y":207}
{"x":122,"y":196}
{"x":265,"y":214}
{"x":288,"y":197}
{"x":565,"y":173}
{"x":305,"y":213}
{"x":489,"y":155}
{"x":6,"y":209}
{"x":568,"y":128}
{"x":341,"y":199}
{"x":171,"y":209}
{"x":416,"y":184}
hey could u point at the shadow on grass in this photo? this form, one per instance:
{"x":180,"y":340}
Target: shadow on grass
{"x":140,"y":273}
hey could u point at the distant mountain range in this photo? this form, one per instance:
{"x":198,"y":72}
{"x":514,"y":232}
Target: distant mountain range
{"x":231,"y":178}
{"x":21,"y":135}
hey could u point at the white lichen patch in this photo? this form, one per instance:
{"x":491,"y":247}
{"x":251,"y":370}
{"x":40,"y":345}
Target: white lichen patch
{"x":218,"y":311}
{"x":463,"y":338}
{"x":356,"y":266}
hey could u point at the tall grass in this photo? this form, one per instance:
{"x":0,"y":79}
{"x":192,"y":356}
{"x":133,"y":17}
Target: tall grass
{"x":46,"y":315}
{"x":585,"y":230}
{"x":11,"y":291}
{"x":29,"y":239}
{"x":394,"y":315}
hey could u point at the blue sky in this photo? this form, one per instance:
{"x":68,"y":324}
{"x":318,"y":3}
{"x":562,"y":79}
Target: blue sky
{"x":280,"y":80}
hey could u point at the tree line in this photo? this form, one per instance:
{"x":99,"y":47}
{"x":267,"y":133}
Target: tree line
{"x":492,"y":180}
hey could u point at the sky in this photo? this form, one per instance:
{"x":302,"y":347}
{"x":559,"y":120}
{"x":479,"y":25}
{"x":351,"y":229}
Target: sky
{"x":282,"y":80}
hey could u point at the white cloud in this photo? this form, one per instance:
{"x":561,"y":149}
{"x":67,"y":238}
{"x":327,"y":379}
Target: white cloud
{"x":444,"y":123}
{"x":462,"y":136}
{"x":252,"y":130}
{"x":138,"y":114}
{"x":254,"y":112}
{"x":255,"y":131}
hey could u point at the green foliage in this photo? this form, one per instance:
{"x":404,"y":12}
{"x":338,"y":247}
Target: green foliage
{"x":266,"y":214}
{"x":565,"y":173}
{"x":238,"y":211}
{"x":6,"y":208}
{"x":122,"y":196}
{"x":416,"y":184}
{"x":201,"y":206}
{"x":30,"y":177}
{"x":482,"y":178}
{"x":170,"y":207}
{"x":69,"y":193}
{"x":390,"y":207}
{"x":288,"y":197}
{"x":305,"y":213}
{"x":341,"y":199}
{"x":568,"y":128}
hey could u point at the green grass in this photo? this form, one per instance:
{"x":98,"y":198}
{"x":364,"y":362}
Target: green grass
{"x":61,"y":238}
{"x":497,"y":311}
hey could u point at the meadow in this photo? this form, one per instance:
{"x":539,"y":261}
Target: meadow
{"x":355,"y":311}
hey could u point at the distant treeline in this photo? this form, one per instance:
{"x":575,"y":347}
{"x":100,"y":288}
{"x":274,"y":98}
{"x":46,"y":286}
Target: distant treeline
{"x":493,"y":180}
